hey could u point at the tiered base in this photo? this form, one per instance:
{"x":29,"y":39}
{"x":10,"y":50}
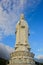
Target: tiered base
{"x":22,"y":58}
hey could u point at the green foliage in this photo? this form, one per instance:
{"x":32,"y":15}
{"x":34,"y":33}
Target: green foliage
{"x":3,"y":61}
{"x":41,"y":64}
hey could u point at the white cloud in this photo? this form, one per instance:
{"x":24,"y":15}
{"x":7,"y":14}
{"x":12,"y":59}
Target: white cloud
{"x":40,"y":56}
{"x":5,"y":51}
{"x":10,"y":12}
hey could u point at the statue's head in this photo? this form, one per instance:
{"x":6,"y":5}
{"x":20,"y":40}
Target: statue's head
{"x":22,"y":16}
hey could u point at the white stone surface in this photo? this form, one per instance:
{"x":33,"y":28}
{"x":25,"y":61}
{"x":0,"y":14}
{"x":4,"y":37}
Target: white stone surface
{"x":22,"y":54}
{"x":22,"y":31}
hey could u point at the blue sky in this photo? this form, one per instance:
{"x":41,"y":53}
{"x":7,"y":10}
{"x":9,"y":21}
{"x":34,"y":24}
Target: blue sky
{"x":10,"y":11}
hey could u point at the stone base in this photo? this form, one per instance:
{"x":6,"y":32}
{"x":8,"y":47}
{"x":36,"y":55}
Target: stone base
{"x":21,"y":58}
{"x":17,"y":54}
{"x":21,"y":64}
